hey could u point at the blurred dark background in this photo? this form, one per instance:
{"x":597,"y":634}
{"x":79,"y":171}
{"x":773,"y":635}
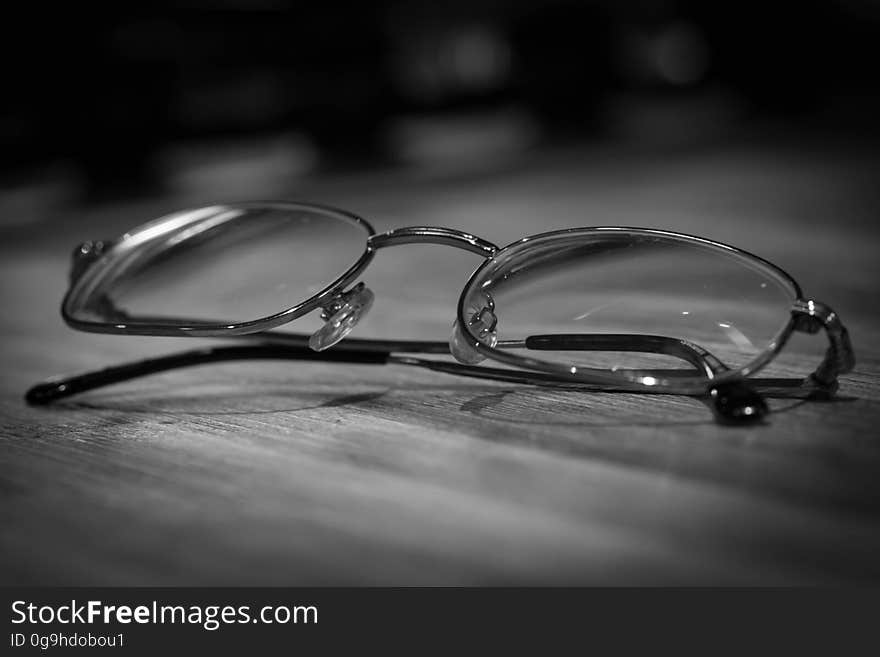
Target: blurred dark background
{"x":131,"y":100}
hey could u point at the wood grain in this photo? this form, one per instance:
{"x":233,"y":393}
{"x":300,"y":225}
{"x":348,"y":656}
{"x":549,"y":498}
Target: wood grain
{"x":293,"y":474}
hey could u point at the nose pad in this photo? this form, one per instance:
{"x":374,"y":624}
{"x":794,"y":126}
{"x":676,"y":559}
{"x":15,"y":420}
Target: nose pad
{"x":341,"y":315}
{"x":482,"y":322}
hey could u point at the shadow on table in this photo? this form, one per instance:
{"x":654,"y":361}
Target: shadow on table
{"x":524,"y":406}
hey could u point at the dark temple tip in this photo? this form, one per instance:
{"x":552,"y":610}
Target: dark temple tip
{"x":45,"y":393}
{"x":737,"y":404}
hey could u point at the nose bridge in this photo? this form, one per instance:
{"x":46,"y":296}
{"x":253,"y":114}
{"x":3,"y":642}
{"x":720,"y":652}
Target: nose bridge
{"x":433,"y":235}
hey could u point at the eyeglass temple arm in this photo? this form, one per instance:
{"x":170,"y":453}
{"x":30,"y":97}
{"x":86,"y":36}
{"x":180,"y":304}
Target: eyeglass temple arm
{"x":700,"y":358}
{"x":58,"y":388}
{"x":811,"y":316}
{"x":288,"y":346}
{"x":732,"y":402}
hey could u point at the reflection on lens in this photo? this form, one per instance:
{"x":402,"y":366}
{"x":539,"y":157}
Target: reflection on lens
{"x":219,"y":265}
{"x":628,"y":300}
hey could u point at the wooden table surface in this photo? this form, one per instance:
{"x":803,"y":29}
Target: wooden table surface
{"x":284,"y":473}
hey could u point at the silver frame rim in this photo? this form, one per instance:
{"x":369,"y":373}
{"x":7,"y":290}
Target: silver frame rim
{"x":233,"y":329}
{"x":592,"y":376}
{"x":461,"y":240}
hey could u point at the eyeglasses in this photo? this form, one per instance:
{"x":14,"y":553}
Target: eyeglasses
{"x":599,"y":308}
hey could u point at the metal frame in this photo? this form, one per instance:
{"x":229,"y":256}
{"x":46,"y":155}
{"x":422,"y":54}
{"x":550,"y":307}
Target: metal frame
{"x":130,"y":242}
{"x":433,"y":235}
{"x":731,"y":391}
{"x":593,"y":375}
